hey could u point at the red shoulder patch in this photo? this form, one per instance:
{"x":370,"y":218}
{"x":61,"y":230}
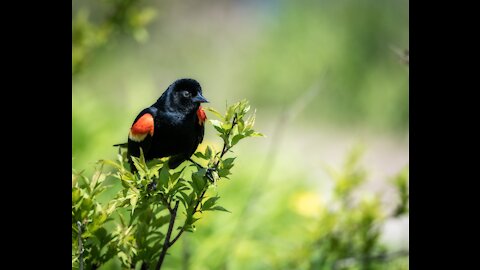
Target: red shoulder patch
{"x":201,"y":115}
{"x":143,"y":126}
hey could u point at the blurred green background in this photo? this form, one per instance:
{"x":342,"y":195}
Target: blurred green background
{"x":324,"y":77}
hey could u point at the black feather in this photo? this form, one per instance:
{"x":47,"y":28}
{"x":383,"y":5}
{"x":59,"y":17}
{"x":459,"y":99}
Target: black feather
{"x":177,"y":130}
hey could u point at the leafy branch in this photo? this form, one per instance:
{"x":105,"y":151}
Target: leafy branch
{"x":167,"y":243}
{"x":214,"y":168}
{"x":151,"y":199}
{"x":232,"y":128}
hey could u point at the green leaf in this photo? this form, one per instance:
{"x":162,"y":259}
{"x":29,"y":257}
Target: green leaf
{"x":227,"y":126}
{"x":208,"y":152}
{"x":401,"y":184}
{"x":251,"y":121}
{"x":192,"y":220}
{"x":209,"y":203}
{"x":225,"y":166}
{"x":133,"y":202}
{"x":164,"y":176}
{"x":83,"y":182}
{"x":200,"y":155}
{"x":154,"y":169}
{"x":141,"y":167}
{"x":75,"y":196}
{"x":87,"y":204}
{"x":198,"y":182}
{"x":231,"y":111}
{"x":159,"y":222}
{"x":218,"y":208}
{"x":223,"y":173}
{"x":184,"y":198}
{"x":228,"y":163}
{"x":112,"y":163}
{"x":180,"y":185}
{"x":218,"y":114}
{"x":217,"y":125}
{"x":257,"y":134}
{"x":176,"y":175}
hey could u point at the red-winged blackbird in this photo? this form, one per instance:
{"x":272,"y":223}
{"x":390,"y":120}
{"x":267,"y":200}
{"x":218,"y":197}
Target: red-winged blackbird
{"x":172,"y":127}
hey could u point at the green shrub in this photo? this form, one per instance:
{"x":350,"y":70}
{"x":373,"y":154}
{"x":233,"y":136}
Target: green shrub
{"x":140,"y":223}
{"x":348,"y":229}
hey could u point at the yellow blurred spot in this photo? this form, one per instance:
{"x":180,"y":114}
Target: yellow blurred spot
{"x":307,"y":203}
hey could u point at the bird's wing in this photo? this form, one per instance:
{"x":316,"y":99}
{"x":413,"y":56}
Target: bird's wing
{"x":142,"y":126}
{"x":141,"y":132}
{"x":202,"y":117}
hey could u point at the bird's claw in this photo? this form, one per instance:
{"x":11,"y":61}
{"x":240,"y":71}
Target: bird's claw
{"x":152,"y":186}
{"x":198,"y":165}
{"x":209,"y":174}
{"x":209,"y":171}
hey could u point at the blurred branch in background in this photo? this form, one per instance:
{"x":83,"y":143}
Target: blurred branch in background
{"x":122,"y":17}
{"x":350,"y":262}
{"x":403,"y":55}
{"x":287,"y":115}
{"x":349,"y":226}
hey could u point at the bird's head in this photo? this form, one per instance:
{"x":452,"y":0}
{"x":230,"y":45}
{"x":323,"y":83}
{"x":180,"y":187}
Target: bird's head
{"x":184,"y":95}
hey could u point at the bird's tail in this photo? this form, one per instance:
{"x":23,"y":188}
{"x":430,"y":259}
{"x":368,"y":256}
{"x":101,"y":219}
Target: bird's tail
{"x":123,"y":145}
{"x":133,"y":169}
{"x":175,"y":161}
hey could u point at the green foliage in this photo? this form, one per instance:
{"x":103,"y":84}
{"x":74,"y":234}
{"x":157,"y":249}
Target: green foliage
{"x":122,"y":17}
{"x":133,"y":224}
{"x":89,"y":218}
{"x":281,"y":50}
{"x":348,"y":230}
{"x":401,"y":183}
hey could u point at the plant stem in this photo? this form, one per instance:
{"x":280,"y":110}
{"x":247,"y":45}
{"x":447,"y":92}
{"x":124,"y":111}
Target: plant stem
{"x":195,"y":210}
{"x":215,"y":167}
{"x":169,"y":207}
{"x":166,"y":242}
{"x":80,"y":245}
{"x":225,"y":144}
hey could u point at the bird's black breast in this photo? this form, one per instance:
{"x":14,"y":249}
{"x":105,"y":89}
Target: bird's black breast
{"x":174,"y":134}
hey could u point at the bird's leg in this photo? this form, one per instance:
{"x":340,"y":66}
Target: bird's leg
{"x":198,"y":165}
{"x":209,"y":174}
{"x":152,"y":186}
{"x":209,"y":170}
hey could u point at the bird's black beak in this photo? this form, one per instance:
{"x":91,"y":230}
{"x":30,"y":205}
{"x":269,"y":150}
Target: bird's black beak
{"x":200,"y":99}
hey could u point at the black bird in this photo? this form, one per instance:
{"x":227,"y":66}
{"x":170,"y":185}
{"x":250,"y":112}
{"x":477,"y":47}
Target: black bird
{"x":172,"y":127}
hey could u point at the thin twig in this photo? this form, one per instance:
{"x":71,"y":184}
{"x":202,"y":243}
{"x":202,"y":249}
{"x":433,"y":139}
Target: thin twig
{"x":166,"y":242}
{"x":226,"y":147}
{"x":403,"y":55}
{"x":167,"y":204}
{"x":184,"y":225}
{"x":342,"y":263}
{"x":80,"y":245}
{"x":215,"y":167}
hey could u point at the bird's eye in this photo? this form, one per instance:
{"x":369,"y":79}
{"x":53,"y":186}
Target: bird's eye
{"x":186,"y":94}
